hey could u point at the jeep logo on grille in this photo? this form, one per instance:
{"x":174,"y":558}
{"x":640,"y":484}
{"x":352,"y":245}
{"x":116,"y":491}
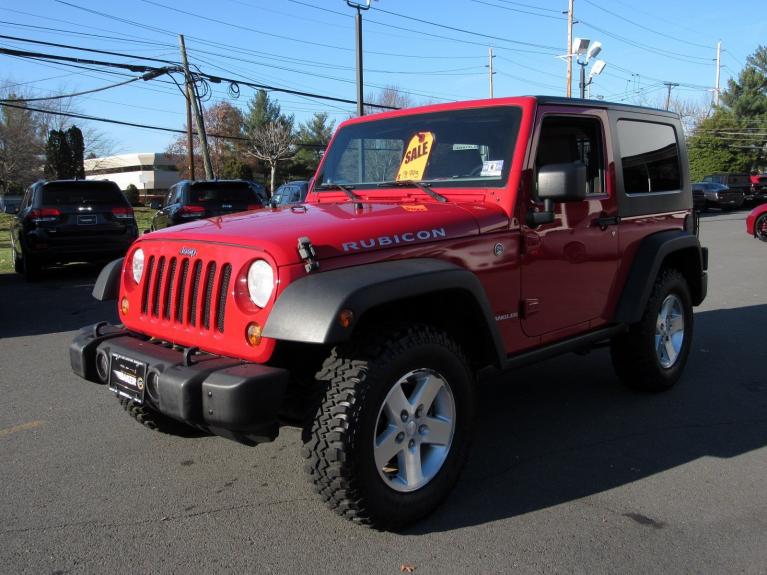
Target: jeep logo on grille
{"x":190,"y":252}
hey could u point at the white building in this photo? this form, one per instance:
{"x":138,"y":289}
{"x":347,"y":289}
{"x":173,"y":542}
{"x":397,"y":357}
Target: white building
{"x":151,"y":173}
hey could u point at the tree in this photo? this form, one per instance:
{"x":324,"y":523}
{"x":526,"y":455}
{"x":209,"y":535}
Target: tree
{"x":21,"y":147}
{"x":74,"y":138}
{"x":224,"y":125}
{"x":269,"y":132}
{"x":390,"y":96}
{"x":733,"y":138}
{"x":131,"y":194}
{"x":313,"y":137}
{"x":272,"y":143}
{"x":58,"y":157}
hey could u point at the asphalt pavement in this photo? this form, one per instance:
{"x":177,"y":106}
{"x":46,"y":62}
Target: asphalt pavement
{"x":569,"y":472}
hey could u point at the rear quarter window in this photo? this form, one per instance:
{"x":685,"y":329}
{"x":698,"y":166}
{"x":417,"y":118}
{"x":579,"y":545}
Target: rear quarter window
{"x":649,"y":156}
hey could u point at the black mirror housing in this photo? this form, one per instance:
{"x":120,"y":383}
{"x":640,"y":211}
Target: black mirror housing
{"x":562,"y":182}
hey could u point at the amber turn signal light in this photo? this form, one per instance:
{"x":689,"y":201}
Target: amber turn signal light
{"x":124,"y":306}
{"x":345,"y":318}
{"x":253,"y":334}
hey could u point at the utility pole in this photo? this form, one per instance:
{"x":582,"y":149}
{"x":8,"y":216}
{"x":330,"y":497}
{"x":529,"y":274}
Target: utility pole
{"x":197,"y":115}
{"x":358,"y":21}
{"x":490,"y":66}
{"x":718,"y":70}
{"x":569,"y":49}
{"x":669,"y":85}
{"x":189,"y":137}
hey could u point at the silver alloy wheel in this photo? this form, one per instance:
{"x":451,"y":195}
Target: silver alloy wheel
{"x":669,"y":331}
{"x":414,"y":430}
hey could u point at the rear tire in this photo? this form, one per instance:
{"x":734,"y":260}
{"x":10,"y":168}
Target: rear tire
{"x":652,"y":354}
{"x":30,"y":268}
{"x":394,"y":426}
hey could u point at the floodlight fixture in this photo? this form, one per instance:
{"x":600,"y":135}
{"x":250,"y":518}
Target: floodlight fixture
{"x":597,"y":68}
{"x":595,"y":49}
{"x":580,"y":45}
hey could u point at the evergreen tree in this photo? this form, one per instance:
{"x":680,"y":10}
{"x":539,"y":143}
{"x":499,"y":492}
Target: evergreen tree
{"x":733,"y":138}
{"x":74,"y":140}
{"x":315,"y":135}
{"x":58,"y":157}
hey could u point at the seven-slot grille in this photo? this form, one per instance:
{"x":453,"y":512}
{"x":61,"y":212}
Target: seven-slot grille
{"x":186,"y":291}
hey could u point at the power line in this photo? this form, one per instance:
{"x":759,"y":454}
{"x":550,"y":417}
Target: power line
{"x":134,"y":124}
{"x":520,"y":11}
{"x":82,"y":93}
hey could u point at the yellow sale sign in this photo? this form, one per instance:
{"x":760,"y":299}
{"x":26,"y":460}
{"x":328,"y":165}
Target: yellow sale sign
{"x":416,"y":157}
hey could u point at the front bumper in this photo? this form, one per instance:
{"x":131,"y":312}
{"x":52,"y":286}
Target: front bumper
{"x":218,"y":394}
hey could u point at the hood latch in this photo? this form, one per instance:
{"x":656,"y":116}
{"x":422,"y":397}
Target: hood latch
{"x":308,"y":254}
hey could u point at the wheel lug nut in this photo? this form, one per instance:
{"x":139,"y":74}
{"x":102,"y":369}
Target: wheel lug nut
{"x":419,"y":411}
{"x":423,"y":429}
{"x":404,"y":415}
{"x":400,"y":437}
{"x":411,"y":443}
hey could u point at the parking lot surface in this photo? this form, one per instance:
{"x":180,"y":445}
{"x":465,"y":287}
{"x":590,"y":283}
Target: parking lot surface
{"x":569,"y":472}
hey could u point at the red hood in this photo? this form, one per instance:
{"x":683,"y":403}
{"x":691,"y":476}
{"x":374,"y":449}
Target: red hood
{"x":337,"y":229}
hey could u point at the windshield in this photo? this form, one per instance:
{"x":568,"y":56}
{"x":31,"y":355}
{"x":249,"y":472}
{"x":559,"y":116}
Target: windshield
{"x":458,"y":148}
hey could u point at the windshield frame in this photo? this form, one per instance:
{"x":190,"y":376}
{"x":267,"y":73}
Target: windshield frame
{"x":509,"y":119}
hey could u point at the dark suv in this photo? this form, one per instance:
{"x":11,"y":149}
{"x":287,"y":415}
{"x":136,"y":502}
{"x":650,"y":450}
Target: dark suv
{"x":290,"y":193}
{"x":192,"y":200}
{"x":70,"y":220}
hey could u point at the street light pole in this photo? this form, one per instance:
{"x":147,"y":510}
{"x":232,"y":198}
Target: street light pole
{"x":358,"y":23}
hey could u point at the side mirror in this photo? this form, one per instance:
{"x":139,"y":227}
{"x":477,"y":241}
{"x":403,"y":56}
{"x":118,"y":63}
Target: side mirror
{"x":562,"y":182}
{"x":558,"y":183}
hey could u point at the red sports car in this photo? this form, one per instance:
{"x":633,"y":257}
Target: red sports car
{"x":756,"y":222}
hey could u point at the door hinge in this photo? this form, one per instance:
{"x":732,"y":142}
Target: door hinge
{"x":308,"y":254}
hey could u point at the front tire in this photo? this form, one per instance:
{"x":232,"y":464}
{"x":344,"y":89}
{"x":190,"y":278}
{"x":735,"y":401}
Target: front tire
{"x":155,"y":420}
{"x":394,"y":427}
{"x":760,"y":228}
{"x":652,"y":354}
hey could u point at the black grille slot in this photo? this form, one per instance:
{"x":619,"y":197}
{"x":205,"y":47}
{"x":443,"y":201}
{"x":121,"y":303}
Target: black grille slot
{"x":223,"y":288}
{"x":169,"y":289}
{"x":157,"y":287}
{"x":180,"y":291}
{"x":210,"y":277}
{"x":194,"y":292}
{"x":147,"y":281}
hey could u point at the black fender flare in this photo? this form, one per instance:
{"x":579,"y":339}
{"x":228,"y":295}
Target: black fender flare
{"x":107,"y":286}
{"x":652,"y":252}
{"x":308,"y":309}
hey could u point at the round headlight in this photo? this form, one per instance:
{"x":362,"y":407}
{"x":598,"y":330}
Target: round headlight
{"x":260,"y":282}
{"x":138,"y":265}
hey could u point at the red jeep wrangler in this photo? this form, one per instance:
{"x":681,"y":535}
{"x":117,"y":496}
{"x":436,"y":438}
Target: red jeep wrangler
{"x":435,"y":241}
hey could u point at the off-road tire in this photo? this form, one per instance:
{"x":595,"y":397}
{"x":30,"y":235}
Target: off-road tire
{"x":634,"y":355}
{"x":760,"y":228}
{"x":339,"y":443}
{"x":155,"y":420}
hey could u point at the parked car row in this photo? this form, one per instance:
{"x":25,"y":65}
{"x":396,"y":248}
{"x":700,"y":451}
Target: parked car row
{"x":61,"y":221}
{"x":729,"y":191}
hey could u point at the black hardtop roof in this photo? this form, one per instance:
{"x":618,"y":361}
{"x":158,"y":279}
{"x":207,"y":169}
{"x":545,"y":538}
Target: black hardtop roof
{"x":580,"y":103}
{"x":216,"y":182}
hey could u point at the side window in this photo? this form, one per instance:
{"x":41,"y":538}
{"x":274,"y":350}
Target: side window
{"x":565,"y":139}
{"x":26,"y":201}
{"x":295,"y":194}
{"x":650,"y":157}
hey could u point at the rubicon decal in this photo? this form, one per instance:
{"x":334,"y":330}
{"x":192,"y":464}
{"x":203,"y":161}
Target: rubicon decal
{"x":385,"y":241}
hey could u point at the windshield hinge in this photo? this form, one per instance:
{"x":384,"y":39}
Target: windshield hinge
{"x":308,"y":254}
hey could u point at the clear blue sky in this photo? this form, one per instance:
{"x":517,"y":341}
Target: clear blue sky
{"x":434,"y":50}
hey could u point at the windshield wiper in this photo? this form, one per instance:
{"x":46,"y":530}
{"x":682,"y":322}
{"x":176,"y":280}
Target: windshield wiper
{"x":418,"y":184}
{"x":348,"y":190}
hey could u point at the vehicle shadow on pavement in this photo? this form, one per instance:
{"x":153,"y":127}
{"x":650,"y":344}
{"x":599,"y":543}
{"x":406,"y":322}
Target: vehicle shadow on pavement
{"x":60,"y":301}
{"x":566,"y":429}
